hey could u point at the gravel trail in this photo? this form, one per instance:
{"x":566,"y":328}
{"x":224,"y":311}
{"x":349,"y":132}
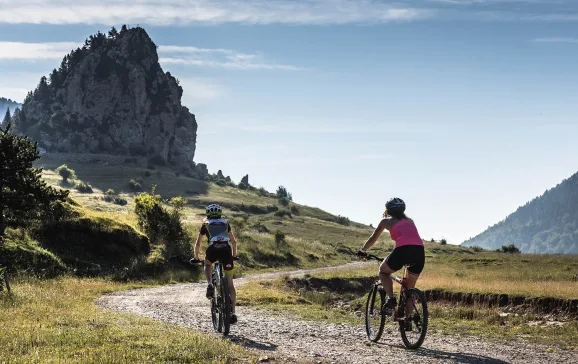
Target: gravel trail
{"x":285,"y":338}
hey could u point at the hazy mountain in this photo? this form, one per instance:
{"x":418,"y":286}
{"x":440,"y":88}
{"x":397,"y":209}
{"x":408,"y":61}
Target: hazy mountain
{"x":547,"y":224}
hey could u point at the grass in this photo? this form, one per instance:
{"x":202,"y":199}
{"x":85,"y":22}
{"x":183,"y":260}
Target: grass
{"x":57,"y":321}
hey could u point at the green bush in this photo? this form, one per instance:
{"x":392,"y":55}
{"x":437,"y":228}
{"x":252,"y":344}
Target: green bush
{"x":135,"y":186}
{"x":283,"y":213}
{"x":284,"y":201}
{"x":65,"y":172}
{"x":342,"y":220}
{"x":508,"y":249}
{"x":243,"y":186}
{"x":477,"y":249}
{"x":263,"y":192}
{"x":279,"y":239}
{"x":443,"y":242}
{"x":84,"y":187}
{"x":109,"y":195}
{"x":221,"y":182}
{"x":120,"y":201}
{"x":295,"y":210}
{"x":163,"y":225}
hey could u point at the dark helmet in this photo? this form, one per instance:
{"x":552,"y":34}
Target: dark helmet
{"x":395,"y":205}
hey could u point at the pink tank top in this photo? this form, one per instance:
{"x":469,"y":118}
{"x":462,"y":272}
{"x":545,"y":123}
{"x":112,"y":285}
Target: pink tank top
{"x":405,"y":233}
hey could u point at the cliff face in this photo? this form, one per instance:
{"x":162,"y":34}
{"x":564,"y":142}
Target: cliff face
{"x":111,"y":96}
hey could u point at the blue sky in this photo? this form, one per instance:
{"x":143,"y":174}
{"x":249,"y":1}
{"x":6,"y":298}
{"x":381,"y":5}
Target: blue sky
{"x":466,"y":109}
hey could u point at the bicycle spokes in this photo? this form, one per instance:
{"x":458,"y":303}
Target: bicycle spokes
{"x":413,"y":325}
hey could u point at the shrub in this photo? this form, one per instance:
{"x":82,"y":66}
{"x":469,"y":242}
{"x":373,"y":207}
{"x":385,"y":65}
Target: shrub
{"x":295,"y":210}
{"x":279,"y":239}
{"x":282,"y":192}
{"x":147,"y":173}
{"x":65,"y":172}
{"x":477,"y":249}
{"x":283,"y":213}
{"x":243,"y":186}
{"x":263,"y":192}
{"x":342,"y":220}
{"x":135,"y":185}
{"x":509,"y":249}
{"x":260,"y":228}
{"x":120,"y":201}
{"x":443,"y":242}
{"x":221,"y":182}
{"x":84,"y":187}
{"x":163,"y":225}
{"x":109,"y":195}
{"x":284,"y":201}
{"x":238,"y":225}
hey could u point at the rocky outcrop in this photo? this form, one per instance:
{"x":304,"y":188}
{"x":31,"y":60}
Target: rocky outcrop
{"x":111,"y":96}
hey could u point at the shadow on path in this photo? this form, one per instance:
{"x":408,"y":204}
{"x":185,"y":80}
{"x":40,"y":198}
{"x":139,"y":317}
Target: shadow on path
{"x":252,"y":344}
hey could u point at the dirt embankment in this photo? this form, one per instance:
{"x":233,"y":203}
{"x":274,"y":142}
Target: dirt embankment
{"x":538,"y":305}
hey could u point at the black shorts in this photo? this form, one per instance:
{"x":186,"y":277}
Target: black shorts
{"x":411,"y":255}
{"x":222,"y":252}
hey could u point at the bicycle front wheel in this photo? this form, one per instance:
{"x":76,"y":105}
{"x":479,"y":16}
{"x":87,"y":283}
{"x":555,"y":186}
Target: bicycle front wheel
{"x":414,"y":328}
{"x":374,"y":319}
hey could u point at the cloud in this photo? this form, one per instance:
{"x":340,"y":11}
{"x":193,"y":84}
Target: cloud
{"x":198,"y":91}
{"x":35,"y":51}
{"x":555,"y":40}
{"x":169,"y":54}
{"x":172,"y":12}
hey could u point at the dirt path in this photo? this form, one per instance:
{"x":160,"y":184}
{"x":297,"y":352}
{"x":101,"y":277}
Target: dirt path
{"x":285,"y":338}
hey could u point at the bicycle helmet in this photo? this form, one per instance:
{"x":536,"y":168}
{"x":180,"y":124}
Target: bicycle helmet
{"x":395,"y":205}
{"x":214,"y":210}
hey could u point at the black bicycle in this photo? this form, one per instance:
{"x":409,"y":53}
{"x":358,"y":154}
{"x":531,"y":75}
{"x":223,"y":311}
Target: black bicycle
{"x":411,"y":312}
{"x":221,"y":300}
{"x":4,"y":281}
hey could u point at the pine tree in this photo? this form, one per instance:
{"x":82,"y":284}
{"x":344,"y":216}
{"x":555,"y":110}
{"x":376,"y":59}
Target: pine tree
{"x":24,"y":196}
{"x":7,"y":118}
{"x":113,"y":33}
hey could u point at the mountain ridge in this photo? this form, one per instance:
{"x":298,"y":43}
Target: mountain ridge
{"x":546,"y":224}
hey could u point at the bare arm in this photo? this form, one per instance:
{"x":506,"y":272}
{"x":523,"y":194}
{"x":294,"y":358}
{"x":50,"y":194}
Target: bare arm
{"x":385,"y":223}
{"x":233,"y":243}
{"x":198,"y":246}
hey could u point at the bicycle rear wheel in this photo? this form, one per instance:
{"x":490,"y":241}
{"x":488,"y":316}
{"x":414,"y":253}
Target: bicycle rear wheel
{"x":414,"y":328}
{"x":374,"y":319}
{"x":226,"y":305}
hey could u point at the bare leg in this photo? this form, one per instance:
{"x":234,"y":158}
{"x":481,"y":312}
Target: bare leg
{"x":232,"y":290}
{"x":208,"y":271}
{"x":411,"y":280}
{"x":386,"y":282}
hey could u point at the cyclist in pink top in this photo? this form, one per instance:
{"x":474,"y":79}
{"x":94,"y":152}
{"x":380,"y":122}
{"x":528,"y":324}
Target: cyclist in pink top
{"x":409,"y":249}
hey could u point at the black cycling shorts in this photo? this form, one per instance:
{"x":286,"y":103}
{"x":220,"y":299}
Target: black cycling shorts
{"x":411,"y":255}
{"x":222,"y":252}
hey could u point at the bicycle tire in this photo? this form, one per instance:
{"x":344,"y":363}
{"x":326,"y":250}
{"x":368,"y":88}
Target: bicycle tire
{"x":424,"y":320}
{"x":226,"y":308}
{"x":369,"y":308}
{"x":215,"y":306}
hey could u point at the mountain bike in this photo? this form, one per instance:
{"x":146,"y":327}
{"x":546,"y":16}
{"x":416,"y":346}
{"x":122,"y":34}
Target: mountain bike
{"x":4,"y":281}
{"x":221,"y":300}
{"x":412,"y":323}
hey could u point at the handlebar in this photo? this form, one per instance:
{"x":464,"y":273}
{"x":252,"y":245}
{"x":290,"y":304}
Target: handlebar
{"x":369,"y":256}
{"x":201,"y":261}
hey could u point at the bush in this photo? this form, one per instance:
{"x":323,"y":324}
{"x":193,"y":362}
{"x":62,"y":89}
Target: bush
{"x":163,"y":225}
{"x":243,"y":186}
{"x":135,"y":186}
{"x":284,"y":201}
{"x":66,"y":173}
{"x":238,"y":225}
{"x":83,"y":187}
{"x":263,"y":192}
{"x":282,"y":192}
{"x":443,"y":242}
{"x":279,"y":239}
{"x":477,"y":249}
{"x":295,"y":210}
{"x":509,"y":249}
{"x":120,"y":201}
{"x":221,"y":182}
{"x":283,"y":213}
{"x":342,"y":220}
{"x":147,"y":173}
{"x":109,"y":195}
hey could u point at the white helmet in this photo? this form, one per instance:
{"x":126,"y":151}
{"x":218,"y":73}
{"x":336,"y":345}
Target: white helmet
{"x":214,"y":210}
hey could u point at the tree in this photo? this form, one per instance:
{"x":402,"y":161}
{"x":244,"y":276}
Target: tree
{"x":65,"y":173}
{"x":7,"y":118}
{"x":282,"y":192}
{"x":112,"y":33}
{"x":24,"y":196}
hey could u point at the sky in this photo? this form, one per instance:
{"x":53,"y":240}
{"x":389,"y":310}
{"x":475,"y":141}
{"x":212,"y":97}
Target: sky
{"x":466,"y":109}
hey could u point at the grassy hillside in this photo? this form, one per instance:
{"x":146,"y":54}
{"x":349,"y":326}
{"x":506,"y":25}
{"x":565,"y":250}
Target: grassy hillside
{"x":313,"y":237}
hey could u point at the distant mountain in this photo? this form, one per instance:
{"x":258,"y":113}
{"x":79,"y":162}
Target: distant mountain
{"x":111,"y":96}
{"x":547,"y":224}
{"x":5,"y":104}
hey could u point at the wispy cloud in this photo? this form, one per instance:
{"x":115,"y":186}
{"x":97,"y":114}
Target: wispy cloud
{"x":167,"y":12}
{"x":556,"y":40}
{"x":184,"y":55}
{"x":198,"y":91}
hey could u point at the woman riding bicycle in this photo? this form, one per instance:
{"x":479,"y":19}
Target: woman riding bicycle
{"x":409,"y":248}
